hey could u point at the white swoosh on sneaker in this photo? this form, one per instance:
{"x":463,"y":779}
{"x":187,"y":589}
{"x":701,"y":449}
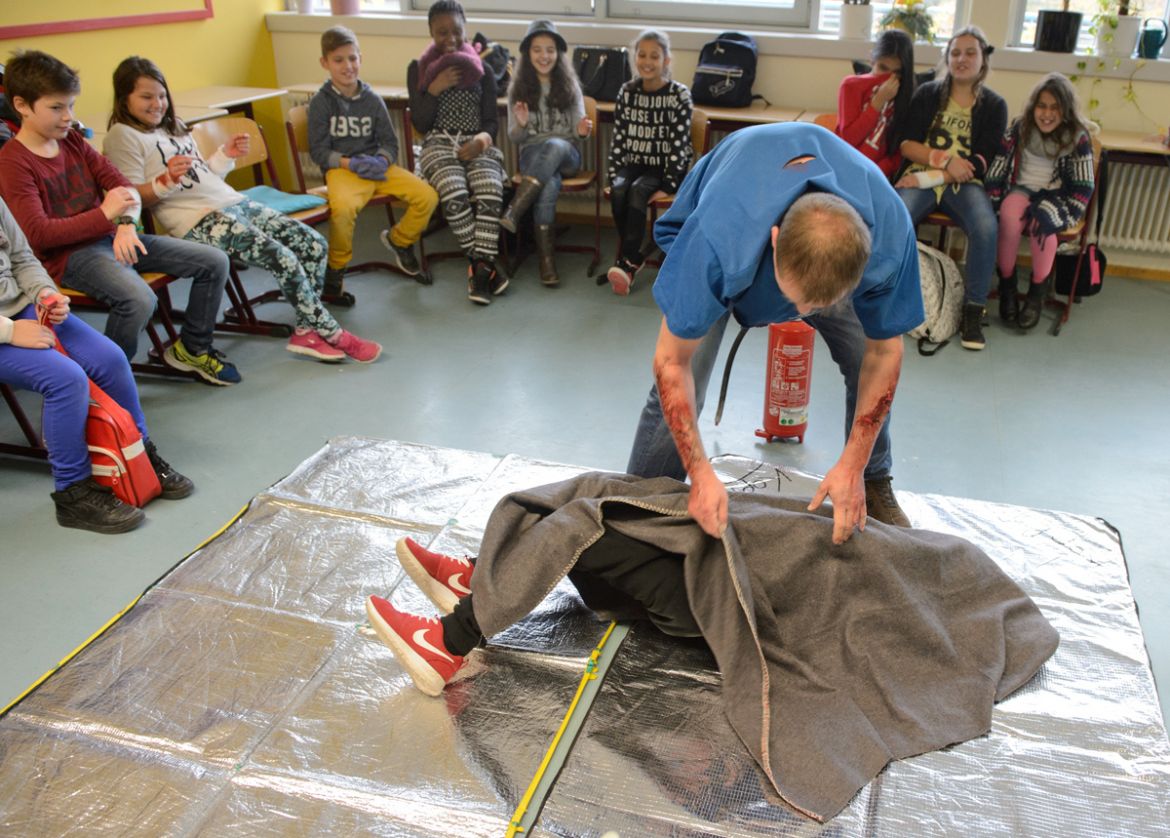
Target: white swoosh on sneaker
{"x":454,"y":584}
{"x":420,"y":639}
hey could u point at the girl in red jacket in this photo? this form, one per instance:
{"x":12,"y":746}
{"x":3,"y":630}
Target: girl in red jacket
{"x":872,"y":107}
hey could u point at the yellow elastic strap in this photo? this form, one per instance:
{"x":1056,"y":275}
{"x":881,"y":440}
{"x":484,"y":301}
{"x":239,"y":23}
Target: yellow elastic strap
{"x":590,"y":674}
{"x":116,"y":617}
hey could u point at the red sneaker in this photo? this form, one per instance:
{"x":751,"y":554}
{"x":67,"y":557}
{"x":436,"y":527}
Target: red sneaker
{"x":309,"y":342}
{"x":445,"y":579}
{"x":361,"y":350}
{"x":417,"y":643}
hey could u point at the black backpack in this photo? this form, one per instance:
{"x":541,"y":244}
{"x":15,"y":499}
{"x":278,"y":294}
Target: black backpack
{"x":726,"y":71}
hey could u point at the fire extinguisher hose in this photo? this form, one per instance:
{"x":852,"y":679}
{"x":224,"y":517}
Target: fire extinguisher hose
{"x":727,"y":371}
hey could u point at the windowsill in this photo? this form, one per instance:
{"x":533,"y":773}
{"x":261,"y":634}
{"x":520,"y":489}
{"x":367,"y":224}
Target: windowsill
{"x":801,"y":44}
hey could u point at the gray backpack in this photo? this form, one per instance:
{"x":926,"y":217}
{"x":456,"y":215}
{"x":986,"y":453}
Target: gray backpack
{"x":942,"y":298}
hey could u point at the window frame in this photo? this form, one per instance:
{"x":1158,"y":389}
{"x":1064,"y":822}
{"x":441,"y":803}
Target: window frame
{"x":804,"y":14}
{"x":564,"y":8}
{"x":1020,"y":13}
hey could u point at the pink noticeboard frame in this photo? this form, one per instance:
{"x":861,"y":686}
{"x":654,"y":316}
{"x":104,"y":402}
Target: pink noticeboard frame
{"x":56,"y":27}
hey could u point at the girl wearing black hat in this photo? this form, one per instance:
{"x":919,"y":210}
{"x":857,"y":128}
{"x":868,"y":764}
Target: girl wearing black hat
{"x":546,"y":118}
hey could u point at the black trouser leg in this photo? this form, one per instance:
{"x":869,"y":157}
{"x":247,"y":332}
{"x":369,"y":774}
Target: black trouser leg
{"x":615,"y":573}
{"x":619,"y":195}
{"x":461,"y":632}
{"x":633,"y":229}
{"x":619,"y":573}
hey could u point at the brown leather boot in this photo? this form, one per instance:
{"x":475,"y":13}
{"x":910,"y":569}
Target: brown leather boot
{"x":546,"y":248}
{"x":881,"y":503}
{"x":526,"y":193}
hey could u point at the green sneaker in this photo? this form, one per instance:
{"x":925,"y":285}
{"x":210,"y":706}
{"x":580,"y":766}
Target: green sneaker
{"x":211,"y":366}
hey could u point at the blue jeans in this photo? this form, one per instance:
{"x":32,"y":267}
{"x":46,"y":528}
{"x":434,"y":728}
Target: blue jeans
{"x":94,"y":271}
{"x":654,"y":453}
{"x":64,"y":384}
{"x":972,"y":211}
{"x":548,"y":162}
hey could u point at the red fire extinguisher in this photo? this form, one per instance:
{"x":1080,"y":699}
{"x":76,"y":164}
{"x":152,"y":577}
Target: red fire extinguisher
{"x":787,"y":379}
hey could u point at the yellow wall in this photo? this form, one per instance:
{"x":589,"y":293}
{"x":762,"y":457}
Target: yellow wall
{"x":231,"y":48}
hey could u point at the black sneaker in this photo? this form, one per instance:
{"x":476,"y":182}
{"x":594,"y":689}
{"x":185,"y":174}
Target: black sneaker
{"x":404,"y":257}
{"x":88,"y":505}
{"x":174,"y":485}
{"x":971,"y":330}
{"x":497,"y":281}
{"x":882,"y":505}
{"x":478,"y":285}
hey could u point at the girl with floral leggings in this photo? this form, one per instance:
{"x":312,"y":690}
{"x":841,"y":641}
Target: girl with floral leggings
{"x":189,"y":196}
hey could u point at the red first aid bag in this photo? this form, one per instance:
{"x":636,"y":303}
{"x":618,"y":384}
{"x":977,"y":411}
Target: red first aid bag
{"x":116,"y":450}
{"x":115,"y":447}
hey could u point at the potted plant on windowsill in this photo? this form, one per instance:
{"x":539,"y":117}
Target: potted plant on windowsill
{"x":912,"y":18}
{"x":856,"y":20}
{"x":1058,"y":31}
{"x":1116,"y":26}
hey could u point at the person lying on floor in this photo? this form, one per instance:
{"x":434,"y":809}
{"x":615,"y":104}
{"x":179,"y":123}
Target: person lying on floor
{"x":836,"y":658}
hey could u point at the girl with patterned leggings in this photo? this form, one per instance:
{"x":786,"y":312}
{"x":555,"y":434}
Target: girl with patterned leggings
{"x":453,"y":102}
{"x":189,"y":197}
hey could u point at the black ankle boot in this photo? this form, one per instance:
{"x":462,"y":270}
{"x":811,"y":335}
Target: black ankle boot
{"x":1032,"y":306}
{"x":87,"y":505}
{"x":1008,"y":298}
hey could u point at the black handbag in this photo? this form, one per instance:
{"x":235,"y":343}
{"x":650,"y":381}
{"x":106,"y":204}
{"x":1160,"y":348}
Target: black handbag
{"x":1088,"y":281}
{"x":602,"y":71}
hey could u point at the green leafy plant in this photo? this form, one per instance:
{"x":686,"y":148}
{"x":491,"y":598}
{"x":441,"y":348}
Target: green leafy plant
{"x":912,"y":17}
{"x":1128,"y":91}
{"x":1104,"y":22}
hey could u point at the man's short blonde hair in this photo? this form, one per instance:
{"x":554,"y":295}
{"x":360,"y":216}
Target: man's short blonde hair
{"x":823,"y":246}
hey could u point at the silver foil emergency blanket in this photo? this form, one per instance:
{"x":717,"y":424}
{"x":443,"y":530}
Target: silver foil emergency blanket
{"x":243,"y":696}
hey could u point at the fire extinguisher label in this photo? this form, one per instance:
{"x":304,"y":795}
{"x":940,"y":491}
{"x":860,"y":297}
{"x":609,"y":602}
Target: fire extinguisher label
{"x":788,"y":393}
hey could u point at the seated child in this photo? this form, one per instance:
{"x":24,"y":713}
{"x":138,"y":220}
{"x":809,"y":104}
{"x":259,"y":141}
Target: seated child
{"x":1042,"y":181}
{"x":872,"y":108}
{"x":188,"y":195}
{"x":53,"y":182}
{"x":453,"y":102}
{"x":353,"y":141}
{"x":650,"y":152}
{"x":546,"y":120}
{"x":29,"y":362}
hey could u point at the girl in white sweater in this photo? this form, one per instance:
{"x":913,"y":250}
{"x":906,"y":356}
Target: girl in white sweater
{"x":190,"y":198}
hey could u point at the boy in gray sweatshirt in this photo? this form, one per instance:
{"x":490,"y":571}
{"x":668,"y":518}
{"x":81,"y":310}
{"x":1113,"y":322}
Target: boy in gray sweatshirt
{"x":353,"y":141}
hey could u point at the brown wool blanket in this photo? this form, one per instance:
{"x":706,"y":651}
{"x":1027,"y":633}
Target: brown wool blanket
{"x":836,"y":659}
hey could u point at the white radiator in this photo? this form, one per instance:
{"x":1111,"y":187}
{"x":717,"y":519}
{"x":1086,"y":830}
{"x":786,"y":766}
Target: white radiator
{"x":1137,"y":208}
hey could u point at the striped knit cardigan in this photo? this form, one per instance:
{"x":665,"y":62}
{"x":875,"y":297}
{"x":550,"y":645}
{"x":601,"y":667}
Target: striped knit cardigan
{"x":1052,"y":210}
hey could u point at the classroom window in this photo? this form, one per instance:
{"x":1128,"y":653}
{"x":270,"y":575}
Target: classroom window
{"x":944,"y":13}
{"x":1027,"y":10}
{"x":731,"y":13}
{"x":535,"y":8}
